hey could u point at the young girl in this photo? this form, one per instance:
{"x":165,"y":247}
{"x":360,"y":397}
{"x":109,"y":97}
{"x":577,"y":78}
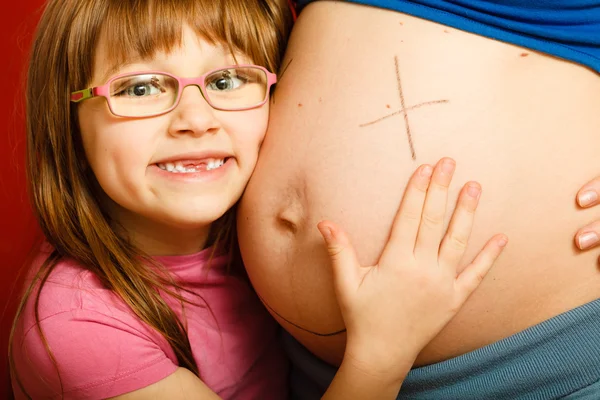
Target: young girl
{"x":145,"y":120}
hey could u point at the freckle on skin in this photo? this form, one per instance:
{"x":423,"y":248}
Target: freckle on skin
{"x":320,"y":100}
{"x":387,"y":106}
{"x":446,"y":31}
{"x":524,"y":54}
{"x":299,"y":104}
{"x":401,"y":23}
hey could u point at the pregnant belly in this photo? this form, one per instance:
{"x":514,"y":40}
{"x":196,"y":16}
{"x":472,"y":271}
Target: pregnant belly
{"x":369,"y":95}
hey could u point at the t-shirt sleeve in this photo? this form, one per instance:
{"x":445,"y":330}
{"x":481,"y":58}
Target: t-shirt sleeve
{"x":97,"y":356}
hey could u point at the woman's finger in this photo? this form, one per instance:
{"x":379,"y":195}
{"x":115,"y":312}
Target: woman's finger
{"x":408,"y":218}
{"x":456,"y":239}
{"x":588,"y":195}
{"x":470,"y":278}
{"x":588,"y":237}
{"x":434,"y":211}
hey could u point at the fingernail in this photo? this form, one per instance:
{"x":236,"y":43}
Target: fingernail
{"x":502,"y":242}
{"x":426,"y":171}
{"x":588,"y":197}
{"x":474,"y":191}
{"x":587,"y":240}
{"x":448,"y":166}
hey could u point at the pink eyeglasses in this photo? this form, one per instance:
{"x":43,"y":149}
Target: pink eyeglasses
{"x":151,"y":93}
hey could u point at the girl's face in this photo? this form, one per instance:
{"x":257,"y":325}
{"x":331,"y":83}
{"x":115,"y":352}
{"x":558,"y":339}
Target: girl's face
{"x":168,"y":212}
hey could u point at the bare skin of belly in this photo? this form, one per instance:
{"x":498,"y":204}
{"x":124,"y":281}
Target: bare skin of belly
{"x":366,"y":96}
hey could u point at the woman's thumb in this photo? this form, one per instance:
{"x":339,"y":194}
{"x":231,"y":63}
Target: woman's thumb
{"x":341,"y":253}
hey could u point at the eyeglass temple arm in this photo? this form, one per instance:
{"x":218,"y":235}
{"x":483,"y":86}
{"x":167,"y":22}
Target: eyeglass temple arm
{"x":292,"y":5}
{"x":81,"y":95}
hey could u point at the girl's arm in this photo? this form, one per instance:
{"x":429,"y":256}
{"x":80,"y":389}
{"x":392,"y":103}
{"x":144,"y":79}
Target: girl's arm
{"x":180,"y":385}
{"x":393,"y":309}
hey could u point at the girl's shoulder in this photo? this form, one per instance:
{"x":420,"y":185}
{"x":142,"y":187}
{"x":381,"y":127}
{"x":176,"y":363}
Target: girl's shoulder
{"x":84,"y":340}
{"x":68,"y":287}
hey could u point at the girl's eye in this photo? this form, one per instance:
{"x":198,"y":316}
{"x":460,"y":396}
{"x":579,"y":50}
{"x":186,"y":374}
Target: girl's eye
{"x":141,"y":88}
{"x":225,"y":80}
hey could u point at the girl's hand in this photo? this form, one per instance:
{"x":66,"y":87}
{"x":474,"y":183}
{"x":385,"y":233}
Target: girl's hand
{"x":588,"y":196}
{"x":394,"y":308}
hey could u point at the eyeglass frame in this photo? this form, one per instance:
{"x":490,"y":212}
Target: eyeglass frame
{"x":104,"y":90}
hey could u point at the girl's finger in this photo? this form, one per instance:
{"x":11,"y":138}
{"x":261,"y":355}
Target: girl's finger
{"x":588,"y":195}
{"x":434,"y":211}
{"x":470,"y":278}
{"x":406,"y":223}
{"x":344,"y":262}
{"x":588,"y":237}
{"x":456,"y":239}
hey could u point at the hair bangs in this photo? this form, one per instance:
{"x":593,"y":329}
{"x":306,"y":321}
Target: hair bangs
{"x":141,"y":28}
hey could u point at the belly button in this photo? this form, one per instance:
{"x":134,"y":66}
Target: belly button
{"x":286,"y":224}
{"x":291,"y":216}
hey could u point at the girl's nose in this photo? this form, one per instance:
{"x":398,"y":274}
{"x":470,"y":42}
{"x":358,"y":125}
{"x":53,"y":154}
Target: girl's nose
{"x":193,"y":114}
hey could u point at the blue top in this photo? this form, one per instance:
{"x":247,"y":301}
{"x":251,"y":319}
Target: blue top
{"x":568,"y":29}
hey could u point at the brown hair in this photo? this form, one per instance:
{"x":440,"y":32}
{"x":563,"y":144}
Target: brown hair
{"x":64,"y":193}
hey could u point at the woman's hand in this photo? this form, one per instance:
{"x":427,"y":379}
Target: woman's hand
{"x":588,"y":196}
{"x":394,"y":308}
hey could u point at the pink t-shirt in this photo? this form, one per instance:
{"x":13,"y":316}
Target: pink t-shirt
{"x":102,"y":349}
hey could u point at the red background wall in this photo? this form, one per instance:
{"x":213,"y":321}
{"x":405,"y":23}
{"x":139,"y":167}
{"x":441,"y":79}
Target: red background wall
{"x":17,"y":227}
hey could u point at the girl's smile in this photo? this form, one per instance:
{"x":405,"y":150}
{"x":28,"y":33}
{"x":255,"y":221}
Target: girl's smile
{"x":211,"y":166}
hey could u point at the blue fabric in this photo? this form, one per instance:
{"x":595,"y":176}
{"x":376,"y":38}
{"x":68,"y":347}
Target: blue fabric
{"x":559,"y":358}
{"x":568,"y":29}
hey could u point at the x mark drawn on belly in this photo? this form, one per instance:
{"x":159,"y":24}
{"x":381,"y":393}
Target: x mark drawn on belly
{"x":404,"y":110}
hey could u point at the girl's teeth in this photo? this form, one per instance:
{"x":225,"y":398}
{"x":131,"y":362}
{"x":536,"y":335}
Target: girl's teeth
{"x":178,"y":166}
{"x":213,"y":164}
